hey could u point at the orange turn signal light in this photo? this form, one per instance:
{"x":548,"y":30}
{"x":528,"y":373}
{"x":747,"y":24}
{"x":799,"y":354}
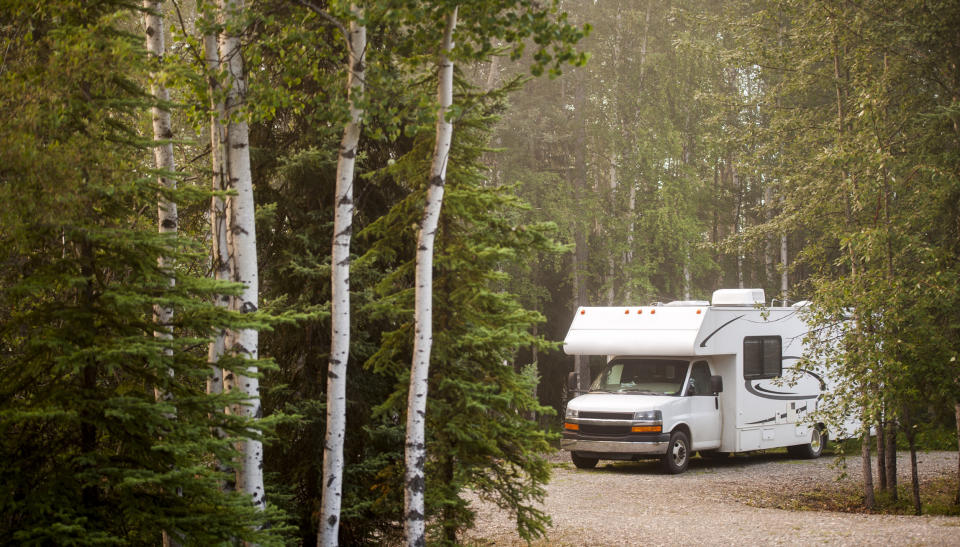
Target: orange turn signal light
{"x":646,"y":429}
{"x":571,"y":427}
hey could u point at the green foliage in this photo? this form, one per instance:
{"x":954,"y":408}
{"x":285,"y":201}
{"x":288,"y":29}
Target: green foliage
{"x":865,"y":147}
{"x":478,"y":433}
{"x":89,"y":455}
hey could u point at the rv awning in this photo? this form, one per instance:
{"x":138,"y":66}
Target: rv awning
{"x":641,"y":330}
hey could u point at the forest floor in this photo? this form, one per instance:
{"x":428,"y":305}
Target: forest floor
{"x":761,"y":498}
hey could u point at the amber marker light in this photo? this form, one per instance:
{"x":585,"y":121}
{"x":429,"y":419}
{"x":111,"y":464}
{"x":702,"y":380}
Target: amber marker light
{"x":698,"y":312}
{"x":582,"y":312}
{"x":571,"y":427}
{"x":626,"y":312}
{"x":653,"y":312}
{"x":645,"y":429}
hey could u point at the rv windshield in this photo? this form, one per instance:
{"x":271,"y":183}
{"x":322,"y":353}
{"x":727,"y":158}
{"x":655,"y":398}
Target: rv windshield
{"x":644,"y":376}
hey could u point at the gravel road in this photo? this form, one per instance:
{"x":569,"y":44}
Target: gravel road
{"x":730,"y":502}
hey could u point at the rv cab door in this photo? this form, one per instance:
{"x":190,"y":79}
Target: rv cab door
{"x":705,"y":418}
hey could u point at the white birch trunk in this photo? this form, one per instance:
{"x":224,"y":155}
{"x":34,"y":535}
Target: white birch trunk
{"x":737,"y":225}
{"x":784,"y":273}
{"x":167,"y":222}
{"x":611,"y":264}
{"x":242,"y":243}
{"x":416,"y":453}
{"x":340,"y":293}
{"x":163,"y":157}
{"x":220,"y":259}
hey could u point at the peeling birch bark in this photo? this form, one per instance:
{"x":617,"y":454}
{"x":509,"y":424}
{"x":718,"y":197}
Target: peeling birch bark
{"x":340,"y":292}
{"x":414,"y":529}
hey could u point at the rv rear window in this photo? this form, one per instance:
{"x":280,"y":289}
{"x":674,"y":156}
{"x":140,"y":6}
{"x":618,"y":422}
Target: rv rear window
{"x":761,"y":357}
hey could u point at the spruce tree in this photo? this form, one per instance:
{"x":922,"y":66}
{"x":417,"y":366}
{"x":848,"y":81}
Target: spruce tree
{"x":87,"y":453}
{"x":478,"y":433}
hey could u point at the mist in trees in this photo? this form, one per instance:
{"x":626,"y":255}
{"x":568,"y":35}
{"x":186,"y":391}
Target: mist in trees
{"x":808,"y":148}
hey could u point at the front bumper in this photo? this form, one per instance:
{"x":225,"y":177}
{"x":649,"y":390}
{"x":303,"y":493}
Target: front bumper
{"x":654,"y":445}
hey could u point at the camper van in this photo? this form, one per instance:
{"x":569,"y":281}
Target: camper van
{"x":710,"y":377}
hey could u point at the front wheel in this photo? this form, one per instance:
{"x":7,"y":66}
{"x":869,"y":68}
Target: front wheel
{"x":677,"y":458}
{"x":813,"y":449}
{"x":583,"y":462}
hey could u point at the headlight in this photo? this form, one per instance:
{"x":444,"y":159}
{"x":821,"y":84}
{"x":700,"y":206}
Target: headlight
{"x":648,"y":416}
{"x":571,"y":413}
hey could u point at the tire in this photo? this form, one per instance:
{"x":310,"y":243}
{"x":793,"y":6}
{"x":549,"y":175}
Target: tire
{"x":583,"y":462}
{"x":813,"y":449}
{"x":677,"y":458}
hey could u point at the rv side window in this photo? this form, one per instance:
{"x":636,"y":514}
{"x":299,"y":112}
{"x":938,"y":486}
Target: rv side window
{"x":761,"y":357}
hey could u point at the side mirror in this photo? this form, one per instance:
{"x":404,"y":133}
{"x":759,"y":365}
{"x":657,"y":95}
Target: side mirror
{"x":716,"y":384}
{"x":573,"y":381}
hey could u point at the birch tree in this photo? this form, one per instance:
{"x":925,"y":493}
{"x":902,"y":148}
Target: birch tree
{"x":163,"y":148}
{"x":415,"y":457}
{"x":163,"y":157}
{"x":242,"y":243}
{"x":219,"y":256}
{"x":356,"y":39}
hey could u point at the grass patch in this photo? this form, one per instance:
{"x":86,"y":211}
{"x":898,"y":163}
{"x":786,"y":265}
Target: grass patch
{"x":936,"y":497}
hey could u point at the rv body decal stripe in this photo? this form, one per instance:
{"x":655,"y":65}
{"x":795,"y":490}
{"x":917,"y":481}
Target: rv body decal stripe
{"x":704,"y":343}
{"x":765,"y":390}
{"x":759,"y":392}
{"x":782,"y":416}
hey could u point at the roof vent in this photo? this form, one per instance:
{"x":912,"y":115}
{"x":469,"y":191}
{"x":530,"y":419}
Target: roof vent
{"x":677,"y":303}
{"x":738,"y":297}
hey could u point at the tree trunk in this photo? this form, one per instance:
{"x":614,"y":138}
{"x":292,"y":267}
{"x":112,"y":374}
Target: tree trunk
{"x":882,"y":455}
{"x":914,"y":476}
{"x":737,"y":224}
{"x":219,"y":255}
{"x":416,"y":454}
{"x":163,"y":157}
{"x":340,"y":292}
{"x":956,"y":410}
{"x":890,"y":437}
{"x":242,"y":243}
{"x":167,"y":222}
{"x":581,"y":252}
{"x":769,"y":251}
{"x":868,"y":499}
{"x":784,"y":274}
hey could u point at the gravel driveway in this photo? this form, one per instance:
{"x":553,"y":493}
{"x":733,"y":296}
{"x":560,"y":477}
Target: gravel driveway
{"x":716,"y":503}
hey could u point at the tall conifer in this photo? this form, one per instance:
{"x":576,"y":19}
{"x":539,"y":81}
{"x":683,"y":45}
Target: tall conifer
{"x":87,"y":454}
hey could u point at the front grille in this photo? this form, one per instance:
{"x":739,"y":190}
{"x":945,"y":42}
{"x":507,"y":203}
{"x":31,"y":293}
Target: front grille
{"x":612,"y":430}
{"x":607,"y":415}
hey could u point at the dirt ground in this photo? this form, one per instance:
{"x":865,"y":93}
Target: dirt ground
{"x":750,"y":499}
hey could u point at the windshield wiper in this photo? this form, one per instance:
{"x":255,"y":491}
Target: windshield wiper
{"x":640,"y":391}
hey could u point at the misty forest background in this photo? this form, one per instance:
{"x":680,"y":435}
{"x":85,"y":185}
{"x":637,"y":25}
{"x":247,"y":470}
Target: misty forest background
{"x":606,"y":152}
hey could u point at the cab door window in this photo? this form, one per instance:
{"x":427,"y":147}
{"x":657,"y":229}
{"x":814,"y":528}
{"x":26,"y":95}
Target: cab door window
{"x":699,"y":379}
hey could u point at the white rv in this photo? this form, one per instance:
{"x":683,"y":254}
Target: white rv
{"x":716,"y":378}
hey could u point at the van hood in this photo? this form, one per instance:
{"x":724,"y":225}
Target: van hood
{"x":618,"y":402}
